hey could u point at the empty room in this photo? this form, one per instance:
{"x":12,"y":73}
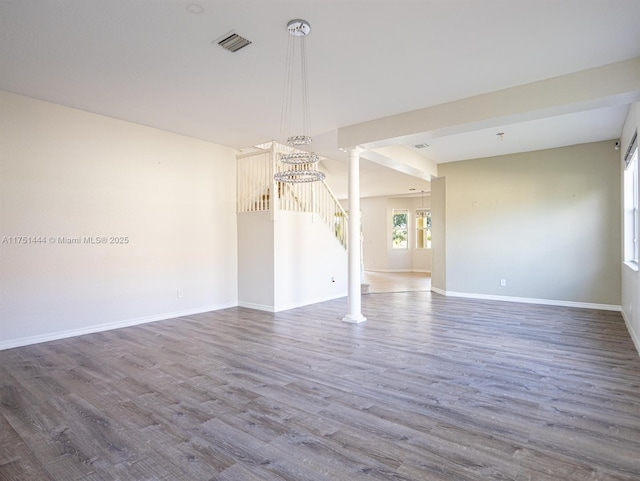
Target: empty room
{"x":304,"y":240}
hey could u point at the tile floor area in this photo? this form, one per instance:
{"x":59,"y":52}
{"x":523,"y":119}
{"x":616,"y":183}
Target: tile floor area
{"x":397,"y":281}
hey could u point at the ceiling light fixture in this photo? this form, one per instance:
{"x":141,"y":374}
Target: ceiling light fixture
{"x":500,"y":136}
{"x":422,"y":212}
{"x":300,"y":166}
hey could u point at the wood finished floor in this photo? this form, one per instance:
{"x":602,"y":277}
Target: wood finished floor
{"x":429,"y":388}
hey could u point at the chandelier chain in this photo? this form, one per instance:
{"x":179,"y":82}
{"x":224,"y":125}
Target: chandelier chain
{"x":300,"y":164}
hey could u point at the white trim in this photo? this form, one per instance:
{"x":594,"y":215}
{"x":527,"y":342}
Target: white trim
{"x":354,"y":319}
{"x":54,"y":336}
{"x":397,"y":270}
{"x":286,"y":307}
{"x":257,"y":307}
{"x":437,"y":290}
{"x":531,"y":300}
{"x":632,"y":333}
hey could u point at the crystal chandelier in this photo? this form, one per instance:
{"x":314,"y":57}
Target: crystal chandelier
{"x":300,"y":166}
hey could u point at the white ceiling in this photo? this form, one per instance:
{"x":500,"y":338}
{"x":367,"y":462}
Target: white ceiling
{"x":152,"y":62}
{"x":558,"y":131}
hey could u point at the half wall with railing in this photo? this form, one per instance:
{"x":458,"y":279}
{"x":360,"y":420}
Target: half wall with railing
{"x":258,"y":191}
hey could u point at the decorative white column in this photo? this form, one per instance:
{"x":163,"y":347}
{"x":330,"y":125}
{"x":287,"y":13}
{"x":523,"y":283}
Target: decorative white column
{"x":354,"y":288}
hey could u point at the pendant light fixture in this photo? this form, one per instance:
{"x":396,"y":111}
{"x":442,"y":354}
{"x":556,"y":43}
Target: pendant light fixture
{"x":422,"y":212}
{"x":299,"y":166}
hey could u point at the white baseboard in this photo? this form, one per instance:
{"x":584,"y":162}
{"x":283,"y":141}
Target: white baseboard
{"x":257,"y":307}
{"x":54,"y":336}
{"x":286,"y":307}
{"x":632,"y":333}
{"x":437,"y":290}
{"x":391,"y":271}
{"x":530,"y":300}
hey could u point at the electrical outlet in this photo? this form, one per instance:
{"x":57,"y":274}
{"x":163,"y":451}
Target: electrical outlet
{"x":180,"y":294}
{"x":503,"y":283}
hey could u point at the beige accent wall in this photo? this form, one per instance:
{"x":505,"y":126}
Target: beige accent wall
{"x":439,"y":235}
{"x":548,"y":222}
{"x":165,"y":204}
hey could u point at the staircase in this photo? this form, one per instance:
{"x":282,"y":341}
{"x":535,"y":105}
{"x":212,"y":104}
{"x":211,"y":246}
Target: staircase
{"x":258,"y":192}
{"x":291,"y":238}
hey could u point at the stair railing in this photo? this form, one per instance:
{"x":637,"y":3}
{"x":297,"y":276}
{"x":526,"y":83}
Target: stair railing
{"x":255,"y":171}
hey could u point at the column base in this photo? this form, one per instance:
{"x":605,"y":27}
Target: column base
{"x":354,"y":319}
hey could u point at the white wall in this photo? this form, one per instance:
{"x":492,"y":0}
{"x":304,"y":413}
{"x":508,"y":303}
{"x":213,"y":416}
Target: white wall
{"x":289,"y":262}
{"x":378,"y":254}
{"x":310,"y":263}
{"x":399,"y":259}
{"x":256,"y":260}
{"x":548,"y":222}
{"x":375,"y":232}
{"x":68,"y":173}
{"x":630,"y":278}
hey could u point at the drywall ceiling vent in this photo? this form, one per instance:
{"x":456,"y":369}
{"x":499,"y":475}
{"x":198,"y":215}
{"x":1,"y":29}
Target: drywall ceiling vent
{"x":233,"y":42}
{"x":421,"y":146}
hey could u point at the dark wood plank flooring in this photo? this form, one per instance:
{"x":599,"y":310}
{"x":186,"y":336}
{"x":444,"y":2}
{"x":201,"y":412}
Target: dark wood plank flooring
{"x":429,"y":388}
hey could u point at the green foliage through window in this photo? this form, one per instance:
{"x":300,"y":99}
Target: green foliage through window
{"x":400,"y":231}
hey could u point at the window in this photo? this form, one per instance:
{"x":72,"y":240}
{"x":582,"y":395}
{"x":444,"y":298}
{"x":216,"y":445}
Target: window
{"x":400,"y":231}
{"x":631,"y":203}
{"x":423,"y":229}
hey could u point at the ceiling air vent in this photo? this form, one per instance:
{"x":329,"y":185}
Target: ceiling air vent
{"x":421,"y":146}
{"x":233,"y":42}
